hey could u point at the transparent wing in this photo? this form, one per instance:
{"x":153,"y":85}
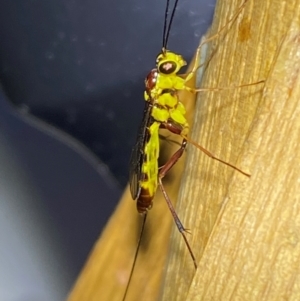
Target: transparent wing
{"x":137,"y":154}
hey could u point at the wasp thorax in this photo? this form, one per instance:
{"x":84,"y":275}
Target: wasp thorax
{"x":169,"y":62}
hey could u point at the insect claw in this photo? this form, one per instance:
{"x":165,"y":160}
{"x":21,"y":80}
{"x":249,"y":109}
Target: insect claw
{"x":188,"y":231}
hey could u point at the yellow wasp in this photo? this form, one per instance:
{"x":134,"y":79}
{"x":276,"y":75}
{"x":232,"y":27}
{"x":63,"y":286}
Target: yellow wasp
{"x":163,"y":110}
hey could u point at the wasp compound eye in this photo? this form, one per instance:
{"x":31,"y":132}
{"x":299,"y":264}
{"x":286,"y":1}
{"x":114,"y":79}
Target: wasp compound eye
{"x":167,"y":67}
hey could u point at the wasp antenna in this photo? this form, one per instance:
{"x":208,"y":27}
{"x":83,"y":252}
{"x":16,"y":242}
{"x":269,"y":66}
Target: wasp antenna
{"x":167,"y":30}
{"x":164,"y":42}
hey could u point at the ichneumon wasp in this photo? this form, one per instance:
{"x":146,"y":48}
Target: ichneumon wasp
{"x":163,"y":110}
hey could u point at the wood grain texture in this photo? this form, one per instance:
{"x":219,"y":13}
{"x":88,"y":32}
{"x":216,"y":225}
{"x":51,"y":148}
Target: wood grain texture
{"x":245,"y":232}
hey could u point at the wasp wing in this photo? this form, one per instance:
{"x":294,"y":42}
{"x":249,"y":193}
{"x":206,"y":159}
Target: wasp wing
{"x":137,"y":154}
